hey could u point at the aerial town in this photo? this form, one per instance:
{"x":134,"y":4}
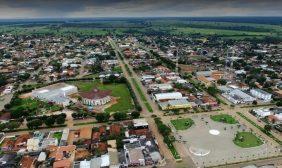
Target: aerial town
{"x":73,"y":96}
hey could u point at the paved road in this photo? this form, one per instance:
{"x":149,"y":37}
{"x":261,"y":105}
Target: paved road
{"x":162,"y":146}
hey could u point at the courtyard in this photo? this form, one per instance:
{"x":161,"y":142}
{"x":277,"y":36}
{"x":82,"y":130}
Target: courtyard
{"x":211,"y":143}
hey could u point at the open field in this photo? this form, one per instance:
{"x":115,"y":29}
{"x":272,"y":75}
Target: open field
{"x":225,"y":30}
{"x":118,"y":90}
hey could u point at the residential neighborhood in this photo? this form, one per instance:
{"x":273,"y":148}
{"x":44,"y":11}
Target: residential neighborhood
{"x":139,"y":98}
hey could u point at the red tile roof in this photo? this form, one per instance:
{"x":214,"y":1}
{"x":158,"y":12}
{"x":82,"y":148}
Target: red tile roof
{"x":95,"y":94}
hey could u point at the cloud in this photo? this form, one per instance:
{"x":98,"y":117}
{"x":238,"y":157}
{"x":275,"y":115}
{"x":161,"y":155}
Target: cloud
{"x":137,"y":8}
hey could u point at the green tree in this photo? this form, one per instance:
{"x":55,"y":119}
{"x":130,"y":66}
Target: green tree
{"x":267,"y":128}
{"x":49,"y":121}
{"x":13,"y":125}
{"x":135,"y":114}
{"x":221,"y":81}
{"x":60,"y":120}
{"x":120,"y":116}
{"x":34,"y":124}
{"x":3,"y":80}
{"x":102,"y":117}
{"x":212,"y":90}
{"x":279,"y":103}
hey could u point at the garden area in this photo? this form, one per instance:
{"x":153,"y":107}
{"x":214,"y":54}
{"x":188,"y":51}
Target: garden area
{"x":119,"y":90}
{"x":247,"y":140}
{"x":58,"y":135}
{"x":30,"y":107}
{"x":224,"y":118}
{"x":182,"y":124}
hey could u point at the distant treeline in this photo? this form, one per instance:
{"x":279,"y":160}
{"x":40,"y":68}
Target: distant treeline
{"x":222,"y":27}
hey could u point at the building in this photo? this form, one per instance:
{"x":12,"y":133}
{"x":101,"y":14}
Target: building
{"x":140,"y":123}
{"x":57,"y":93}
{"x":27,"y":162}
{"x":167,"y":96}
{"x":96,"y":97}
{"x":32,"y":144}
{"x":261,"y":113}
{"x":260,"y":94}
{"x":237,"y":96}
{"x":175,"y":104}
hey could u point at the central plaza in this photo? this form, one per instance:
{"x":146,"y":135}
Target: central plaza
{"x":210,"y":143}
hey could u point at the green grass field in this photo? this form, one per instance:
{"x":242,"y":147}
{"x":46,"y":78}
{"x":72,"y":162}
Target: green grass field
{"x":247,"y":140}
{"x":226,"y":30}
{"x":224,"y":118}
{"x":182,"y":124}
{"x":119,"y":91}
{"x":34,"y":106}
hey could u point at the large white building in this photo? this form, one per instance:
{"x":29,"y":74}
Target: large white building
{"x":260,"y":94}
{"x":57,"y":93}
{"x":237,"y":96}
{"x":168,"y":96}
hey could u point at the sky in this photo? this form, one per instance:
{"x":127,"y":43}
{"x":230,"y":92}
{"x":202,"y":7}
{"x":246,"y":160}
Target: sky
{"x":137,"y":8}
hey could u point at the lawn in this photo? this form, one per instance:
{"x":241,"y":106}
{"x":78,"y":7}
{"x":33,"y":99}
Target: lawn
{"x":182,"y":124}
{"x":247,"y":140}
{"x":224,"y":118}
{"x":33,"y":106}
{"x":119,"y":91}
{"x":58,"y":135}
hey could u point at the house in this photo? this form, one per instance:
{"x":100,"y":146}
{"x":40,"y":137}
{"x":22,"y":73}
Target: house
{"x":140,"y":123}
{"x":27,"y":162}
{"x":135,"y":156}
{"x":32,"y":144}
{"x":49,"y":141}
{"x":7,"y":144}
{"x":21,"y":141}
{"x":62,"y":155}
{"x":8,"y":160}
{"x":260,"y":94}
{"x":115,"y":129}
{"x":96,"y":97}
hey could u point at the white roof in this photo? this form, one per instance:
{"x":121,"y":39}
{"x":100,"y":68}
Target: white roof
{"x":33,"y":144}
{"x":172,"y":95}
{"x":67,"y":88}
{"x":105,"y":160}
{"x":43,"y":91}
{"x":140,"y":122}
{"x":85,"y":164}
{"x":42,"y":157}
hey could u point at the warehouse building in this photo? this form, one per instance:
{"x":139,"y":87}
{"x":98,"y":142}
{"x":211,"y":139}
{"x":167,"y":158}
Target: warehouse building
{"x":57,"y":93}
{"x":167,"y":96}
{"x":262,"y":95}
